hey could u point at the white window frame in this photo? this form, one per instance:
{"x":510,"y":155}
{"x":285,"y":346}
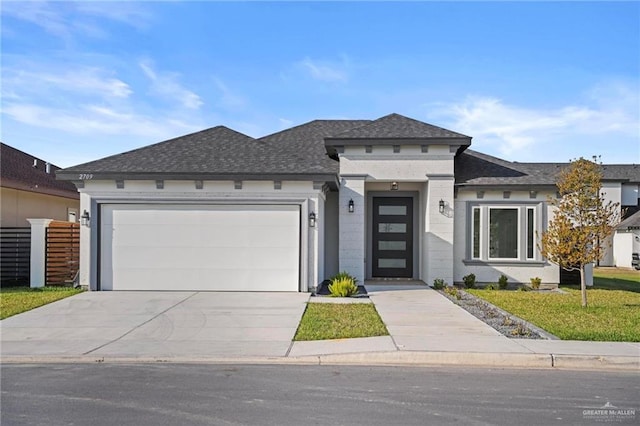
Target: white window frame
{"x":473,"y":233}
{"x":522,"y":230}
{"x":534,"y":220}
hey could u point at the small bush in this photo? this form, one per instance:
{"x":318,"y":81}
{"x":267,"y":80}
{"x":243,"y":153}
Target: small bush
{"x":343,"y":287}
{"x":535,"y":283}
{"x":524,"y":288}
{"x":452,"y":291}
{"x":492,"y":286}
{"x":439,"y":284}
{"x":469,"y":280}
{"x":344,"y":275}
{"x":503,"y":281}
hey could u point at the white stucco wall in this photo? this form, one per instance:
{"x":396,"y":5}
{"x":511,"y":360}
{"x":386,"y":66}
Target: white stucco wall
{"x":611,"y":191}
{"x":351,"y":251}
{"x":139,"y":192}
{"x":624,"y":244}
{"x":331,"y":229}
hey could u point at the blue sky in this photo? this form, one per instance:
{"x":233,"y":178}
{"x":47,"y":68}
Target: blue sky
{"x":536,"y":81}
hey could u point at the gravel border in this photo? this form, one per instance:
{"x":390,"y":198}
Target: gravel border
{"x":504,"y":322}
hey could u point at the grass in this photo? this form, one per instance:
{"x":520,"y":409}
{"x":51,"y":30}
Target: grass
{"x":613,"y":312}
{"x":15,"y":300}
{"x":322,"y":321}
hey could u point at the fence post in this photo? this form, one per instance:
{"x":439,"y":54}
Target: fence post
{"x":38,"y":251}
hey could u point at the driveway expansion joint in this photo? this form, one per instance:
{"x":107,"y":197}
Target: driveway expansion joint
{"x":141,"y":324}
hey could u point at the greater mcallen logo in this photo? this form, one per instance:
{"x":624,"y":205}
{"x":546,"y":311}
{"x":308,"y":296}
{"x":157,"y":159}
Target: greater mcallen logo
{"x":609,"y":413}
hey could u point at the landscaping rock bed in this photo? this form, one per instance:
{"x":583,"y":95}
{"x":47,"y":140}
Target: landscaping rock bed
{"x":505,"y":323}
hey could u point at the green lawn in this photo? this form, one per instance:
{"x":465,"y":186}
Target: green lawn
{"x":15,"y":300}
{"x":613,"y":313}
{"x":322,"y":321}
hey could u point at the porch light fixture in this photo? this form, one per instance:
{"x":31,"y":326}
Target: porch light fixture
{"x":394,"y":186}
{"x":352,"y":206}
{"x":441,"y":206}
{"x":312,"y":220}
{"x":85,"y":219}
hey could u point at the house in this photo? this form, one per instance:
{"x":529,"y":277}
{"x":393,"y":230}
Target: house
{"x":392,"y":198}
{"x":29,"y":189}
{"x":626,"y":242}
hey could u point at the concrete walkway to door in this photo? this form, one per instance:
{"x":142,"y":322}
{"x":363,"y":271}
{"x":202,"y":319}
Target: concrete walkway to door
{"x":421,"y":319}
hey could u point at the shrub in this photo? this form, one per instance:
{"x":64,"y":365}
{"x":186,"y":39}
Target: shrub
{"x":492,"y":286}
{"x":452,"y":291}
{"x":503,"y":281}
{"x":469,"y":280}
{"x":344,"y":275}
{"x":535,"y":283}
{"x":439,"y":284}
{"x":343,"y":287}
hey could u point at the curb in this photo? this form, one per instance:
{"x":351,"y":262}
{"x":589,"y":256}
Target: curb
{"x":396,"y":358}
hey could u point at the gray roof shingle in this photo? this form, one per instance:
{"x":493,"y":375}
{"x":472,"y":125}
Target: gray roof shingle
{"x":632,"y":222}
{"x":396,"y":126}
{"x":473,"y":168}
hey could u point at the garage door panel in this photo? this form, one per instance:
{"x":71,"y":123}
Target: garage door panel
{"x":250,"y":248}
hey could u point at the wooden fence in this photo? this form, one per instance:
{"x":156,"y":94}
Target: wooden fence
{"x":62,"y":253}
{"x":15,"y":256}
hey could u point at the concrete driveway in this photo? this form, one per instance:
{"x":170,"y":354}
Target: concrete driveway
{"x":156,"y":324}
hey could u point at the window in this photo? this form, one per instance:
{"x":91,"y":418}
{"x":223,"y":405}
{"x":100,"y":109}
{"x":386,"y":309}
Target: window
{"x":503,"y":232}
{"x":531,"y":216}
{"x":476,"y":233}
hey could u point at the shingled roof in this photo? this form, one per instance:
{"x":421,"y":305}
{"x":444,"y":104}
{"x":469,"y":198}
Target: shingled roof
{"x":396,"y":126}
{"x":19,"y":170}
{"x":632,"y":222}
{"x":473,"y":168}
{"x":220,"y":152}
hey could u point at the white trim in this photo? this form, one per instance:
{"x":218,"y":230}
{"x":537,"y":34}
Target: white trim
{"x":533,"y":236}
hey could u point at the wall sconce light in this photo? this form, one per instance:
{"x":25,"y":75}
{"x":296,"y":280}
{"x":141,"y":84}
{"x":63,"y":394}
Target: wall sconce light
{"x":441,"y":206}
{"x":312,"y":220}
{"x":85,"y":219}
{"x":394,"y":186}
{"x":352,"y":206}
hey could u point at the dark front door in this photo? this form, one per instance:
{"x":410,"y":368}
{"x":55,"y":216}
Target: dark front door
{"x":392,"y":237}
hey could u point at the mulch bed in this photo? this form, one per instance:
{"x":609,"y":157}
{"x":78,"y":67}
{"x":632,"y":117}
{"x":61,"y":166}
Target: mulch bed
{"x":323,"y":290}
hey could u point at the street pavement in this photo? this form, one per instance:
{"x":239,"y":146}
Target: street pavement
{"x":425,"y":329}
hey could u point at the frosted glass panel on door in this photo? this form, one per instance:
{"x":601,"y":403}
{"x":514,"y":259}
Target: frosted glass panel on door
{"x":392,"y":263}
{"x":392,"y":245}
{"x":392,"y":227}
{"x":393,"y":210}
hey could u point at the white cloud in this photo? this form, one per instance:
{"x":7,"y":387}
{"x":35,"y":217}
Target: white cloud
{"x":229,"y":99}
{"x":98,"y":119}
{"x":65,"y":19}
{"x":77,"y":79}
{"x":166,"y":85}
{"x":608,"y":112}
{"x":326,"y":71}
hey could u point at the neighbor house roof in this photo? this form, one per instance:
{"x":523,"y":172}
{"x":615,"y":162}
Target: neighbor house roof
{"x":632,"y":222}
{"x":19,"y":170}
{"x":473,"y":168}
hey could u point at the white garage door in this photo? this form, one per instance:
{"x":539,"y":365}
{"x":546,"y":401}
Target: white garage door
{"x":221,"y":248}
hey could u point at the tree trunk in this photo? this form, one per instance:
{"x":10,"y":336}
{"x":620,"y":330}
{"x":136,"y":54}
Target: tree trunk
{"x":583,"y":287}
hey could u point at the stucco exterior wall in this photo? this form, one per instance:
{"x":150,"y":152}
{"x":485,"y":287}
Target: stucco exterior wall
{"x":624,"y":244}
{"x":331,"y":229}
{"x":18,"y":205}
{"x":611,"y":191}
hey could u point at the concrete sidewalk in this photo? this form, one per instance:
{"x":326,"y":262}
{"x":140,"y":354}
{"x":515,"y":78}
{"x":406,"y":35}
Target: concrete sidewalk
{"x":427,"y":328}
{"x":255,"y":328}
